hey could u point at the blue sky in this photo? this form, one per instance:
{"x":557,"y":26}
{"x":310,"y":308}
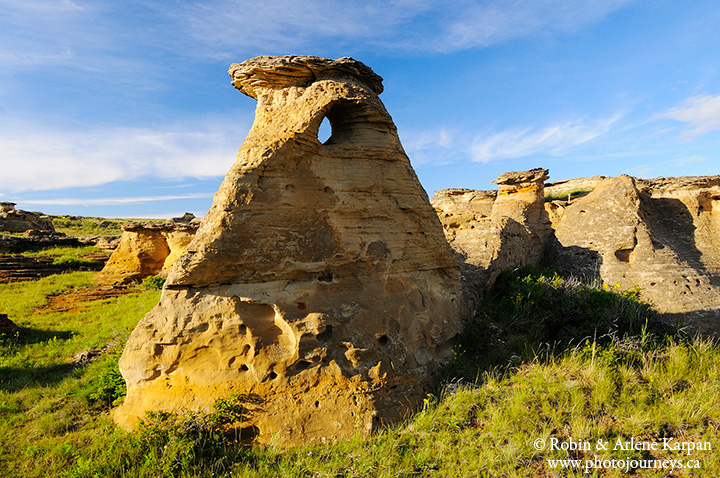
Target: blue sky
{"x":125,"y":109}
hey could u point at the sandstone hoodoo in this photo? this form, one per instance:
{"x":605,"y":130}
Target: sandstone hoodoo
{"x":319,"y":285}
{"x":16,"y":220}
{"x":492,"y":231}
{"x":148,"y":248}
{"x":659,"y":234}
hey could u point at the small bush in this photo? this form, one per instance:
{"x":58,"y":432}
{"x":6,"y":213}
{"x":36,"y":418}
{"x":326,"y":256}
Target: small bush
{"x":152,"y":283}
{"x":108,"y":385}
{"x":533,"y":310}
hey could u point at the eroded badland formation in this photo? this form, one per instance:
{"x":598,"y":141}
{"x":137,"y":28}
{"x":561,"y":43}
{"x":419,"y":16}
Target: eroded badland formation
{"x":319,"y":283}
{"x":322,"y":287}
{"x":662,"y":235}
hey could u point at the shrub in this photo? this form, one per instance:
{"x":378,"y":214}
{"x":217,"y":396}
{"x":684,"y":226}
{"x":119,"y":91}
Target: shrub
{"x":152,"y":283}
{"x":530,"y":310}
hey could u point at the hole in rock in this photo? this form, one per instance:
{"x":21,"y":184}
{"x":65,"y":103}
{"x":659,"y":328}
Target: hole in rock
{"x":623,"y":255}
{"x":301,"y":306}
{"x":325,"y":335}
{"x":242,"y":329}
{"x":272,"y":376}
{"x":325,"y":131}
{"x":317,"y":404}
{"x":326,"y":277}
{"x":302,"y":365}
{"x":383,"y":340}
{"x":244,"y":368}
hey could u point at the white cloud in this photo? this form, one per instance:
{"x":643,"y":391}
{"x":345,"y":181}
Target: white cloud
{"x":287,"y":25}
{"x":701,"y":113}
{"x":46,"y":158}
{"x":436,"y":146}
{"x":484,"y":23}
{"x":552,"y":140}
{"x":113,"y":201}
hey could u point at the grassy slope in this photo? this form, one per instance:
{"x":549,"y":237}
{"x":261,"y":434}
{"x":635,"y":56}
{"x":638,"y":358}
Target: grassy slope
{"x":55,"y":420}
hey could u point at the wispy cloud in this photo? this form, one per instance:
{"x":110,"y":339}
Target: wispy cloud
{"x":113,"y":201}
{"x":485,"y":23}
{"x":43,"y":158}
{"x":435,"y":145}
{"x":417,"y":25}
{"x":701,"y":113}
{"x":552,"y":140}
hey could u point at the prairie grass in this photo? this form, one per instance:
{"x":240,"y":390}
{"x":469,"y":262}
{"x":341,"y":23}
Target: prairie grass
{"x":78,"y":226}
{"x":613,"y":381}
{"x":87,"y":226}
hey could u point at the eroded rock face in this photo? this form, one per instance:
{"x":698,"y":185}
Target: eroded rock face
{"x":145,"y":249}
{"x":662,"y":235}
{"x":319,"y":284}
{"x":493,"y":231}
{"x":16,"y":220}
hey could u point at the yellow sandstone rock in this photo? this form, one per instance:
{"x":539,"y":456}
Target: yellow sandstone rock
{"x":146,"y":249}
{"x":319,"y":286}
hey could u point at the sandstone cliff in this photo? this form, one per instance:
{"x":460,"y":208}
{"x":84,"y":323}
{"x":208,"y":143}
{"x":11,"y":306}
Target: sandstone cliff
{"x":319,"y":283}
{"x":661,"y":235}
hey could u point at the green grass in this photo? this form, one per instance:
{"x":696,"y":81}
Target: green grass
{"x":68,"y":257}
{"x":566,"y":196}
{"x":614,"y":374}
{"x":78,"y":226}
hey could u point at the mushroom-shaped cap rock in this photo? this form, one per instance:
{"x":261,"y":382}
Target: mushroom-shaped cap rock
{"x":536,"y":175}
{"x":276,"y":72}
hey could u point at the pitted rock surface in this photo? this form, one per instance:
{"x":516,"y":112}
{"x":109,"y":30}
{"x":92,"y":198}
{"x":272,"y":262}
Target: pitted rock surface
{"x":319,"y":284}
{"x":661,"y":235}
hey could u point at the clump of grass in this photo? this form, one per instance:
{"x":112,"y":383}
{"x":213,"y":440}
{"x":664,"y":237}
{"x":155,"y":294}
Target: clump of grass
{"x":568,"y":195}
{"x":69,"y":257}
{"x":63,"y":251}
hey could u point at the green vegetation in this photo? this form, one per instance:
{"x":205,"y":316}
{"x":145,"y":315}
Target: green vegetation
{"x":91,"y":226}
{"x":152,"y":283}
{"x":87,"y":226}
{"x":69,"y":257}
{"x":566,"y":196}
{"x":546,"y":359}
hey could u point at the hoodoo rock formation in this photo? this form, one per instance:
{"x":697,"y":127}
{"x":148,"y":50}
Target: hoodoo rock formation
{"x":147,"y":248}
{"x":319,"y":285}
{"x":16,"y":220}
{"x":662,"y":235}
{"x":493,"y":231}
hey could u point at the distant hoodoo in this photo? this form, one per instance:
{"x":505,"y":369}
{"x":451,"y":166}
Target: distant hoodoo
{"x":319,"y":285}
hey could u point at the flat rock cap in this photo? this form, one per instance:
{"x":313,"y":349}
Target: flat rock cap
{"x":535,"y":175}
{"x":281,"y":71}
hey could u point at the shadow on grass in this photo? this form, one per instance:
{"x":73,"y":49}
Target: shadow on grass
{"x":16,"y":378}
{"x":28,"y":335}
{"x":13,"y":379}
{"x":534,"y":314}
